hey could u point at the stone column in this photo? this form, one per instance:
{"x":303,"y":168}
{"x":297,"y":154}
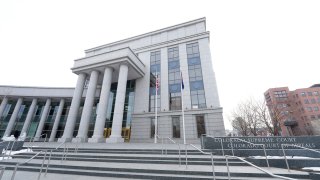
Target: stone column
{"x":118,"y":110}
{"x":103,"y":106}
{"x":87,"y":108}
{"x":3,"y":105}
{"x":28,"y":118}
{"x":42,"y":119}
{"x":74,"y":108}
{"x":13,"y":118}
{"x":56,"y":121}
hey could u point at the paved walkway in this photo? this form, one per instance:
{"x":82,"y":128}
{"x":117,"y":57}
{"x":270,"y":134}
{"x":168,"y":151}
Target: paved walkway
{"x":24,"y":175}
{"x":200,"y":168}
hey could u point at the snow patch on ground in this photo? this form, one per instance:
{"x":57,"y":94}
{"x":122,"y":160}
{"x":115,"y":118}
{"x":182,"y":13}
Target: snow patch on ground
{"x":17,"y":152}
{"x":280,"y":157}
{"x":311,"y":169}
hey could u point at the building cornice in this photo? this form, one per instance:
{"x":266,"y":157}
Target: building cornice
{"x":148,"y":34}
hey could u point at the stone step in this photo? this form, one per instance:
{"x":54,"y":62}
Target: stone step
{"x":142,"y":172}
{"x":124,"y":151}
{"x":137,"y":156}
{"x":135,"y":160}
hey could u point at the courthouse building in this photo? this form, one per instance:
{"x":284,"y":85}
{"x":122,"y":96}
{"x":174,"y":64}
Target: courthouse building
{"x":115,"y":95}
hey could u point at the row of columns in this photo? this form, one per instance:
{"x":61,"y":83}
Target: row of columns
{"x":82,"y":135}
{"x":29,"y":117}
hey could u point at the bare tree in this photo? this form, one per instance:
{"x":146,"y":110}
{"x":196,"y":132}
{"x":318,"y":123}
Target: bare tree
{"x":245,"y":118}
{"x":270,"y":120}
{"x":241,"y":126}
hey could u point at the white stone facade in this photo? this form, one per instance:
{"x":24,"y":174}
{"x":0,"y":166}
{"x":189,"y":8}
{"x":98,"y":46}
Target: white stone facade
{"x":119,"y":62}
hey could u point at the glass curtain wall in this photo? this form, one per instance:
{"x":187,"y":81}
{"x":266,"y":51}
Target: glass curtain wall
{"x":195,"y":77}
{"x":174,"y":78}
{"x":155,"y":72}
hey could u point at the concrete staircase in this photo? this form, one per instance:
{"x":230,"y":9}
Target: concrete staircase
{"x":135,"y":161}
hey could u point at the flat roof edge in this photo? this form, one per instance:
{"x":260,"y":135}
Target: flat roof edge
{"x":203,"y":19}
{"x":34,"y":87}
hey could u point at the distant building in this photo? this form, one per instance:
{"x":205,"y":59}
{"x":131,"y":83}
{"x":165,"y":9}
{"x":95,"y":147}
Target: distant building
{"x":297,"y":111}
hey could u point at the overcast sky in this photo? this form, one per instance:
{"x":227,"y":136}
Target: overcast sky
{"x":255,"y":45}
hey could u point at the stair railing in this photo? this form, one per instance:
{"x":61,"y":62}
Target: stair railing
{"x":3,"y":168}
{"x":265,"y":171}
{"x":27,"y":161}
{"x":45,"y":138}
{"x":12,"y":147}
{"x":263,"y":146}
{"x":162,"y":145}
{"x":284,"y":154}
{"x":166,"y":149}
{"x":211,"y":155}
{"x":4,"y":150}
{"x":220,"y":139}
{"x":48,"y":163}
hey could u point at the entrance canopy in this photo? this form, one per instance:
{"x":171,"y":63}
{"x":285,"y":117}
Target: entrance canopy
{"x":111,"y":59}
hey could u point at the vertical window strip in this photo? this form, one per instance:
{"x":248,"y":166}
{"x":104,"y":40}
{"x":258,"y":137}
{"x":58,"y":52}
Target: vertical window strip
{"x":174,"y":79}
{"x":195,"y":77}
{"x":155,"y":71}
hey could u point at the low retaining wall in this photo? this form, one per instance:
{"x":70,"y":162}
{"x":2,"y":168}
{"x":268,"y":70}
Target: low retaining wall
{"x":15,"y":147}
{"x":272,"y":144}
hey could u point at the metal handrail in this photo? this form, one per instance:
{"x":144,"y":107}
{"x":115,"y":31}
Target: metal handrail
{"x":48,"y":163}
{"x":265,"y":171}
{"x":263,"y":146}
{"x":212,"y":162}
{"x":27,"y":161}
{"x":2,"y":171}
{"x":6,"y":149}
{"x":167,"y":148}
{"x":12,"y":147}
{"x":284,"y":154}
{"x":207,"y":135}
{"x":45,"y":139}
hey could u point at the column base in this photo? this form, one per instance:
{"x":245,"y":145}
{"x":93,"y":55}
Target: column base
{"x":64,"y":139}
{"x":36,"y":138}
{"x":80,"y":139}
{"x":114,"y":140}
{"x":98,"y":139}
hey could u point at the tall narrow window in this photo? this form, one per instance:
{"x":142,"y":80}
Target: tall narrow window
{"x":155,"y":73}
{"x":201,"y":127}
{"x":152,"y":128}
{"x":195,"y":77}
{"x":174,"y":79}
{"x":175,"y":127}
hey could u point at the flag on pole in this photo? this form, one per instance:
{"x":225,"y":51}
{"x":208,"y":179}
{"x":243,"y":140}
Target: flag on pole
{"x":157,"y":83}
{"x":182,"y":84}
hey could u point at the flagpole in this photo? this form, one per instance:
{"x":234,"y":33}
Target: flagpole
{"x":183,"y":123}
{"x":156,"y":113}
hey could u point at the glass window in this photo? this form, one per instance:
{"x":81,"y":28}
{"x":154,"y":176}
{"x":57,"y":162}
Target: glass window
{"x":303,"y":94}
{"x":195,"y":77}
{"x":201,"y":128}
{"x":316,"y":93}
{"x":152,"y":128}
{"x":175,"y":127}
{"x":306,"y":101}
{"x":155,"y":73}
{"x":316,"y":108}
{"x":313,"y":101}
{"x":309,"y":109}
{"x":174,"y":79}
{"x":309,"y":93}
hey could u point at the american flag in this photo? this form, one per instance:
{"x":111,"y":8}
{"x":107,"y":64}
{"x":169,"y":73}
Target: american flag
{"x":182,"y":84}
{"x":157,"y":83}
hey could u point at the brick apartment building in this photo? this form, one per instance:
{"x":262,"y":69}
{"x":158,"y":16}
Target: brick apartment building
{"x":296,"y":111}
